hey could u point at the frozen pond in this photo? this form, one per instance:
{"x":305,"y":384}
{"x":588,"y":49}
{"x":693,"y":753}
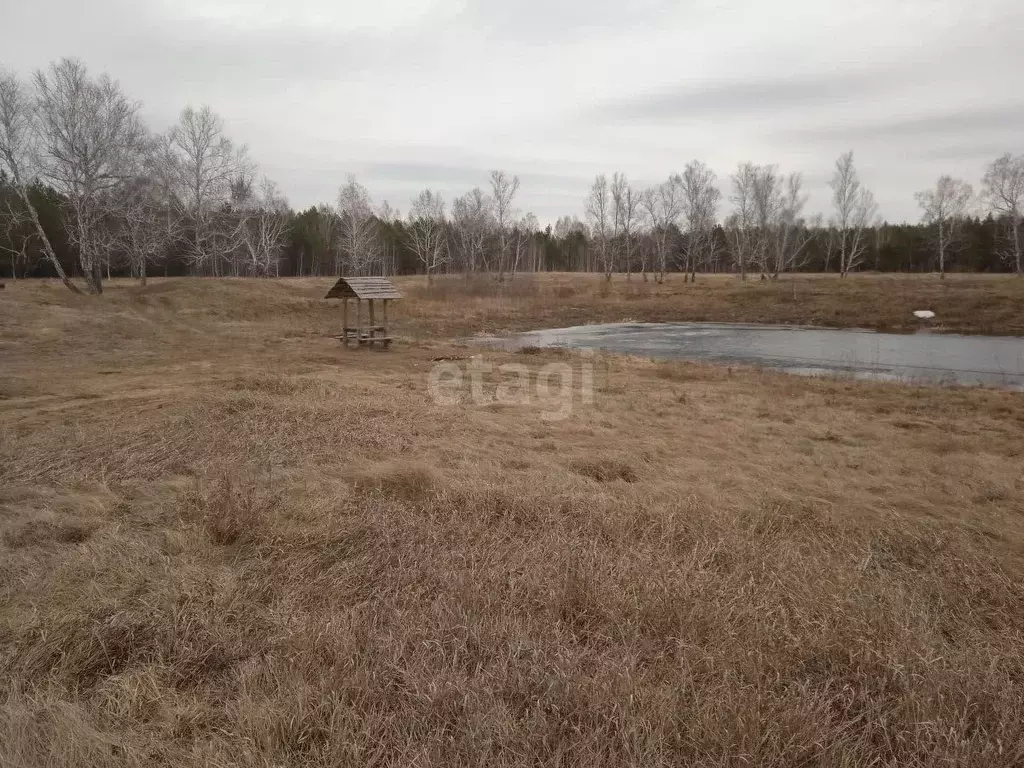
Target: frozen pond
{"x":921,"y":357}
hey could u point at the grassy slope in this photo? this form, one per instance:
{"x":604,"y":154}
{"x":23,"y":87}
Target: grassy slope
{"x":225,"y":541}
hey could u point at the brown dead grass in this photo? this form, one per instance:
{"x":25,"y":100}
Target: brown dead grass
{"x":986,"y":304}
{"x":225,"y":541}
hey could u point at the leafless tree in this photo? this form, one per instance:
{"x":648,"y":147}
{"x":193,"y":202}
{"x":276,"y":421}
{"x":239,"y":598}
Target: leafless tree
{"x":91,"y":142}
{"x":1003,"y":192}
{"x":208,"y":165}
{"x":945,"y":208}
{"x":625,"y":218}
{"x":599,"y":212}
{"x":17,"y":151}
{"x":503,"y":192}
{"x":387,"y":214}
{"x":645,"y":252}
{"x":426,"y":232}
{"x":855,"y":211}
{"x":741,"y":225}
{"x":147,"y":229}
{"x":14,"y":221}
{"x":790,"y":234}
{"x":522,"y":239}
{"x":360,"y":235}
{"x":151,"y":216}
{"x":700,"y":197}
{"x":473,"y":221}
{"x":663,"y":206}
{"x":263,"y":228}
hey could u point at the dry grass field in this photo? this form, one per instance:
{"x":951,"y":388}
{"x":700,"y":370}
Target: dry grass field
{"x":226,"y":541}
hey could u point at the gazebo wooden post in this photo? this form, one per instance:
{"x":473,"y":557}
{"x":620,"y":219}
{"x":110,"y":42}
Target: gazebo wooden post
{"x":373,"y":324}
{"x":344,"y":325}
{"x":359,"y":320}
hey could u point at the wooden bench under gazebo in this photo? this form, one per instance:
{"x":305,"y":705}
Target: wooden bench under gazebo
{"x":371,"y":290}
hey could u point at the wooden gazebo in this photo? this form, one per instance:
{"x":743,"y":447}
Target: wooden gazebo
{"x":371,"y":290}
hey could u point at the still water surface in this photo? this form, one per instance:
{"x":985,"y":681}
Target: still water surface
{"x":922,"y":357}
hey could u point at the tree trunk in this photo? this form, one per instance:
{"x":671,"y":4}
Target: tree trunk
{"x":47,"y":247}
{"x":942,"y":252}
{"x":94,"y":277}
{"x":1016,"y":246}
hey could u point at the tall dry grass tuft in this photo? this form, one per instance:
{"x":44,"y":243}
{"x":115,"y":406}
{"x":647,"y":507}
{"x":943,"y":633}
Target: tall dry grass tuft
{"x":232,"y":513}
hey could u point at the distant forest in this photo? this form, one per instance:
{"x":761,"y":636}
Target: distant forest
{"x":88,"y":191}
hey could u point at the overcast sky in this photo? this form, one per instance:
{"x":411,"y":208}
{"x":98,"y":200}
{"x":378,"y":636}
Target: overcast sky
{"x":408,"y":94}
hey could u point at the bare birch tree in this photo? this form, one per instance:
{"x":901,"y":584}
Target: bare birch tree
{"x":473,"y":221}
{"x":1003,"y":192}
{"x":663,"y":206}
{"x":599,"y":212}
{"x":360,"y":235}
{"x":522,"y":240}
{"x":791,"y":235}
{"x":503,"y":192}
{"x":90,"y":143}
{"x":741,"y":225}
{"x":264,"y":226}
{"x":700,"y":197}
{"x":152,"y":220}
{"x":855,"y":211}
{"x":945,"y":208}
{"x":17,"y":145}
{"x":625,"y":217}
{"x":767,"y":211}
{"x":208,"y":164}
{"x":427,"y":232}
{"x":14,"y":221}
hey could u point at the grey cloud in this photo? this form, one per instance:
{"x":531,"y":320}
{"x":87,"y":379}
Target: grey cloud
{"x":558,"y":20}
{"x":1001,"y":119}
{"x":253,"y":58}
{"x":982,"y":151}
{"x":469,"y":176}
{"x":748,"y":97}
{"x":423,"y":174}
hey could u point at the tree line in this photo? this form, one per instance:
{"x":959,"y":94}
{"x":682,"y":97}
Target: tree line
{"x":87,"y":190}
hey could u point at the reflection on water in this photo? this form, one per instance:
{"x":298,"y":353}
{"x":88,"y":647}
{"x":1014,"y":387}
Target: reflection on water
{"x":925,"y":358}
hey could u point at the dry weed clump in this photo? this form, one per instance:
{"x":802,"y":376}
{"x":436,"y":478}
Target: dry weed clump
{"x":411,"y":482}
{"x":226,"y":543}
{"x":233,"y":513}
{"x":605,"y":470}
{"x":42,"y":532}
